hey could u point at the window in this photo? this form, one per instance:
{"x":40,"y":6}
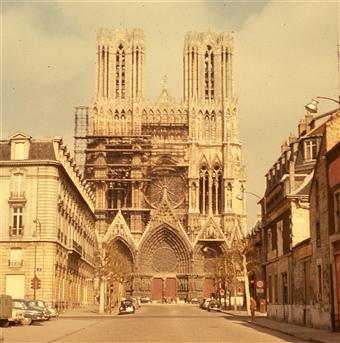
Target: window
{"x":318,"y":234}
{"x":285,"y":288}
{"x":17,"y":227}
{"x":15,"y":258}
{"x":337,"y":211}
{"x":310,"y":150}
{"x":210,"y":190}
{"x":18,"y":185}
{"x":276,"y":293}
{"x":269,"y":290}
{"x":279,"y":230}
{"x":269,"y":241}
{"x":319,"y":281}
{"x":19,"y":149}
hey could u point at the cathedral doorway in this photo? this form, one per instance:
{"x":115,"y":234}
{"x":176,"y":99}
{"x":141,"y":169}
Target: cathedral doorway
{"x":164,"y":289}
{"x":157,"y":289}
{"x":209,"y":287}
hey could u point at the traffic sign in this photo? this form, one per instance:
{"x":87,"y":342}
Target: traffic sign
{"x":239,"y":290}
{"x":259,"y":283}
{"x":221,"y":291}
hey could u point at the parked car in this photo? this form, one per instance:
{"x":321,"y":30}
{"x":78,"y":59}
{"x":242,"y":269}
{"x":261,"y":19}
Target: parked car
{"x":214,"y":305}
{"x":40,"y":303}
{"x":53,"y":312}
{"x":31,"y":313}
{"x":17,"y":316}
{"x":126,"y":306}
{"x":136,"y":303}
{"x":206,"y":303}
{"x":201,"y":303}
{"x":193,"y":301}
{"x":145,"y":300}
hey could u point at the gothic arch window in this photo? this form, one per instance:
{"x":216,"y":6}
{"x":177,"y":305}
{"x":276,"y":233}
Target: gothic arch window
{"x":158,"y":117}
{"x":217,"y":190}
{"x":213,"y":127}
{"x":206,"y":126}
{"x":211,"y":190}
{"x":129,"y":122}
{"x":145,"y":118}
{"x":120,"y":72}
{"x":209,"y":82}
{"x":172,"y":118}
{"x":204,"y":190}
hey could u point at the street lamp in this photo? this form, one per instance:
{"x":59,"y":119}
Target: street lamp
{"x":36,"y":280}
{"x":241,"y":195}
{"x":312,"y":107}
{"x":205,"y":249}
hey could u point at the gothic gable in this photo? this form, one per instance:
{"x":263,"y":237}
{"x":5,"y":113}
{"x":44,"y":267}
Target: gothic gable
{"x":119,"y":229}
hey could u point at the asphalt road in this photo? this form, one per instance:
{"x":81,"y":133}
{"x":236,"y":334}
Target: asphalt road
{"x":150,"y":323}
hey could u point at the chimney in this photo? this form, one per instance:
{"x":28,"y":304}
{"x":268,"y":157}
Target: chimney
{"x":284,"y":147}
{"x":292,"y":138}
{"x":302,"y":127}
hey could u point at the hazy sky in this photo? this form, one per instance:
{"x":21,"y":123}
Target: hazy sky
{"x":285,"y":54}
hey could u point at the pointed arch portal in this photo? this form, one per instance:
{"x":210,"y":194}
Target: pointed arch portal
{"x":166,"y":258}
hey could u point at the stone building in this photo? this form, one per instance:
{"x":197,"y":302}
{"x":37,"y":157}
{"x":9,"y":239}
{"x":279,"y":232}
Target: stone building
{"x":165,"y":174}
{"x":323,"y":281}
{"x":300,"y":236}
{"x":287,"y":216}
{"x":47,"y":223}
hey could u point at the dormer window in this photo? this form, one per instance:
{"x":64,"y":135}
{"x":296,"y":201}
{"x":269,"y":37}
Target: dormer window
{"x":19,"y":146}
{"x":310,"y":150}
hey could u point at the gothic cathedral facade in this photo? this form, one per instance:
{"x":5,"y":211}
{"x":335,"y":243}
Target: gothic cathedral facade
{"x":166,"y":174}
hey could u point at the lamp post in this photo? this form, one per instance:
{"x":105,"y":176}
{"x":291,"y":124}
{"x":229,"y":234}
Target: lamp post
{"x":205,"y":249}
{"x":36,"y":280}
{"x":241,"y":195}
{"x":312,"y":107}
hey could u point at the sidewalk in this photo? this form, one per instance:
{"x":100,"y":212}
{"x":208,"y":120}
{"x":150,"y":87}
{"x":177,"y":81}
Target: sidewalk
{"x":298,"y":331}
{"x":301,"y":332}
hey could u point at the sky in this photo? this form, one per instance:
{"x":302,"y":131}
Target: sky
{"x":285,"y":54}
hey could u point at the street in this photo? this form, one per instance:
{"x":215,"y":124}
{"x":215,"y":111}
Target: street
{"x":150,"y":323}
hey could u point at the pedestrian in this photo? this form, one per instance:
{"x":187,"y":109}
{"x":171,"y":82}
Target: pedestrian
{"x":252,"y":309}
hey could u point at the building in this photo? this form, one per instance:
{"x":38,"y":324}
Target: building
{"x":300,"y":236}
{"x":165,"y":174}
{"x":323,"y":300}
{"x":47,"y":223}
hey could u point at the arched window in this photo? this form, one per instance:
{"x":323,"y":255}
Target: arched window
{"x":211,"y":190}
{"x":204,"y":190}
{"x":217,"y":190}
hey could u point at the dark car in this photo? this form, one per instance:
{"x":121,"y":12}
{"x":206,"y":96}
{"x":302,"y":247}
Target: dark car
{"x":193,"y":301}
{"x":53,"y":311}
{"x":145,"y":300}
{"x":214,"y":305}
{"x":31,"y":313}
{"x":126,"y":306}
{"x":201,"y":303}
{"x":41,"y":304}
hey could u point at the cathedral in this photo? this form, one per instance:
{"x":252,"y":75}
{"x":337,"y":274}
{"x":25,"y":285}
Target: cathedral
{"x":165,"y":174}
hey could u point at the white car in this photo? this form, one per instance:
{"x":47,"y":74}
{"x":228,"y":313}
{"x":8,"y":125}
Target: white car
{"x":17,"y":317}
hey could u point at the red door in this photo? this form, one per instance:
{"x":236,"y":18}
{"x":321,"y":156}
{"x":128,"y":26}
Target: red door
{"x":170,"y":291}
{"x":157,"y":289}
{"x":209,"y":287}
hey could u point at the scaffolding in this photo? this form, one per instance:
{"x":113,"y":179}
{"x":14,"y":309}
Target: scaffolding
{"x":81,"y":128}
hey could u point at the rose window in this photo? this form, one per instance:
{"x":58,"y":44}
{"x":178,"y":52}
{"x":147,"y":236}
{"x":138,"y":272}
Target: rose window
{"x":164,"y":260}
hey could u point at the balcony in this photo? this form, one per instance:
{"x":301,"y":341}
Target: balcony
{"x":16,"y":231}
{"x":77,"y":247}
{"x":15,"y":264}
{"x":17,"y":198}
